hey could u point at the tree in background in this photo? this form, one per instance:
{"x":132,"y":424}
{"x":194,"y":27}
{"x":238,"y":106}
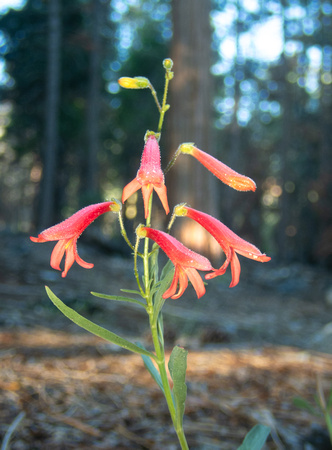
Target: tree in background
{"x":50,"y":156}
{"x":272,"y":109}
{"x":190,"y":117}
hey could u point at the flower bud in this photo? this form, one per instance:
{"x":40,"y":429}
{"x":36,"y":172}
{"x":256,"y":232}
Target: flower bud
{"x":116,"y":205}
{"x":134,"y":83}
{"x":168,"y":63}
{"x":187,"y":147}
{"x":180,"y":210}
{"x":141,"y":231}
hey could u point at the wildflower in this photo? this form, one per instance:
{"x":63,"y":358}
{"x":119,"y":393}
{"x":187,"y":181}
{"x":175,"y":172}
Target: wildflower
{"x":68,"y":231}
{"x":149,"y":177}
{"x":229,"y":242}
{"x":219,"y":169}
{"x":186,"y":262}
{"x":134,"y":83}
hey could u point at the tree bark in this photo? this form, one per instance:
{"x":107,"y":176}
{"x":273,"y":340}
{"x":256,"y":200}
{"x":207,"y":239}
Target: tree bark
{"x":47,"y":205}
{"x":93,"y":102}
{"x":190,"y":116}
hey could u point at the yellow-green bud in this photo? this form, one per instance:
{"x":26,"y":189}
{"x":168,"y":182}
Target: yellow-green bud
{"x":117,"y":205}
{"x":180,"y":210}
{"x":140,"y":232}
{"x":134,"y":83}
{"x":187,"y":147}
{"x":168,"y":63}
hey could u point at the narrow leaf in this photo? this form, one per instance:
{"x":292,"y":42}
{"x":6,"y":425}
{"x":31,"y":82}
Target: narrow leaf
{"x":94,"y":328}
{"x":118,"y":298}
{"x":152,"y":369}
{"x":131,"y":291}
{"x":177,"y":366}
{"x":166,"y":278}
{"x":256,"y":438}
{"x":301,"y":403}
{"x":329,"y":400}
{"x":153,"y":262}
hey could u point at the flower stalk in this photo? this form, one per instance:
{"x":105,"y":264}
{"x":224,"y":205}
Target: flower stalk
{"x":184,"y":264}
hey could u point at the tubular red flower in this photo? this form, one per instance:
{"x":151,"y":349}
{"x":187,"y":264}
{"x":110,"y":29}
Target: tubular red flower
{"x":186,"y":262}
{"x":220,"y":170}
{"x":149,"y":177}
{"x":67,"y":233}
{"x":227,"y":239}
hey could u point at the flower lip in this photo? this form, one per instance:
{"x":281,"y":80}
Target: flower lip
{"x":68,"y":232}
{"x":230,"y":243}
{"x":186,"y":262}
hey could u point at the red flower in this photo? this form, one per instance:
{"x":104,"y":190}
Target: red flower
{"x":229,"y":242}
{"x":220,"y":170}
{"x":149,"y":177}
{"x":186,"y":262}
{"x":67,"y":233}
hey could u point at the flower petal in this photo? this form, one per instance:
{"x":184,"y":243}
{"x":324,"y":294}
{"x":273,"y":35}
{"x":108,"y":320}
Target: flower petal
{"x":196,"y":281}
{"x":162,"y":194}
{"x":70,"y":257}
{"x":58,"y":252}
{"x":183,"y":283}
{"x":146,"y":193}
{"x":172,"y":289}
{"x":130,"y":189}
{"x":235,"y":268}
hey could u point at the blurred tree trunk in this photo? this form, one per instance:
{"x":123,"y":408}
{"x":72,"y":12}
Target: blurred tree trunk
{"x":284,"y":243}
{"x":93,"y":103}
{"x":190,"y":116}
{"x":234,"y":157}
{"x":47,"y":214}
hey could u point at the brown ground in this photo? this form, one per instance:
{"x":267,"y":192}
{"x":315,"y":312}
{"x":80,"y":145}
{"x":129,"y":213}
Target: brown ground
{"x":252,"y":349}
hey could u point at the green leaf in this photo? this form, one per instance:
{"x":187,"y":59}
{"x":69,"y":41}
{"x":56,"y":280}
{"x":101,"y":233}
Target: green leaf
{"x":301,"y":403}
{"x":160,"y":328}
{"x":152,"y":369}
{"x":256,"y":438}
{"x":167,"y":275}
{"x":94,"y":328}
{"x":177,"y":366}
{"x":329,"y":400}
{"x":118,"y":298}
{"x":153,"y":262}
{"x":131,"y":291}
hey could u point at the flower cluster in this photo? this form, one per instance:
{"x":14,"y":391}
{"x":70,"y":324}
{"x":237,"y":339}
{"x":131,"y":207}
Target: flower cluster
{"x":186,"y":262}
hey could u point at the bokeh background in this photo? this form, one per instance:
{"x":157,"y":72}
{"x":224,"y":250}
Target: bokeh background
{"x":252,"y":86}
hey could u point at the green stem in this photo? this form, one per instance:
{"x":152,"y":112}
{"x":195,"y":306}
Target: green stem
{"x":154,"y":94}
{"x":143,"y":294}
{"x":164,"y":107}
{"x":157,"y":342}
{"x":172,"y":161}
{"x":160,"y":360}
{"x":123,"y":231}
{"x":171,"y":222}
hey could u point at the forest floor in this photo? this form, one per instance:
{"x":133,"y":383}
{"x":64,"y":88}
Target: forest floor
{"x":252,"y":350}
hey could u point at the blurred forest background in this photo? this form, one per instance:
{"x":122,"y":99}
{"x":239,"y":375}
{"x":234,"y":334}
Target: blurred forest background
{"x":252,"y":86}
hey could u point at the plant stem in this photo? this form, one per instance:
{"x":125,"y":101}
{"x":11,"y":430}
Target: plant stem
{"x":160,"y":353}
{"x":154,"y":94}
{"x":164,"y":107}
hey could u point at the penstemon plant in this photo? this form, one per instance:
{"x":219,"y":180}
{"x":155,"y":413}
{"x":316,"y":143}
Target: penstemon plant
{"x":154,"y":287}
